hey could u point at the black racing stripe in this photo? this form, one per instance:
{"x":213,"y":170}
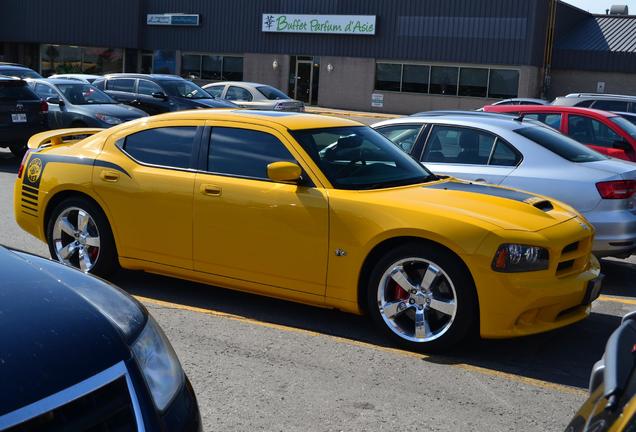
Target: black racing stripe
{"x":482,"y":189}
{"x":29,"y":189}
{"x":29,"y":213}
{"x":47,"y":158}
{"x":105,"y":164}
{"x":30,"y":208}
{"x":29,"y":195}
{"x":33,"y":203}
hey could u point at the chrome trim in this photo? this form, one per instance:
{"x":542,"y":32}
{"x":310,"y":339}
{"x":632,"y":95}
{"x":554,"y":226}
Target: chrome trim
{"x":72,"y":393}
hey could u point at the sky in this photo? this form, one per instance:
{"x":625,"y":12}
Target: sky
{"x":599,"y":6}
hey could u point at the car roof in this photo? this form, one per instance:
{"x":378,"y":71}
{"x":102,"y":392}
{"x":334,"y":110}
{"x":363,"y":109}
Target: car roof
{"x":289,"y":120}
{"x":239,"y":83}
{"x":599,"y":96}
{"x":548,"y":109}
{"x":76,"y":75}
{"x":11,"y":66}
{"x":55,"y":81}
{"x":145,"y":76}
{"x":9,"y":78}
{"x":480,"y":122}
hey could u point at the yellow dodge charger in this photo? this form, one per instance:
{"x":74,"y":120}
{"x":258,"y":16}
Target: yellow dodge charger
{"x":313,"y":209}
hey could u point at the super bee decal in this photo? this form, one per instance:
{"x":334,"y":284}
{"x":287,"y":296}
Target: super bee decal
{"x":35,"y":170}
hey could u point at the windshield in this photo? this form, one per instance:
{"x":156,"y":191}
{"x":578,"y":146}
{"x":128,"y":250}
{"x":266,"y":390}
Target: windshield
{"x":84,"y":94}
{"x":358,"y":157}
{"x":557,"y":143}
{"x":626,"y":125}
{"x":20,"y":73}
{"x":184,"y":89}
{"x":271,"y":93}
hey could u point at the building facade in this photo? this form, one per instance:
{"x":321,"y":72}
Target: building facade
{"x":397,"y":56}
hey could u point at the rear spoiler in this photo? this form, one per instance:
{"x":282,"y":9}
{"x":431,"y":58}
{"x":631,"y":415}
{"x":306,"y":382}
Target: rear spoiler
{"x":60,"y":136}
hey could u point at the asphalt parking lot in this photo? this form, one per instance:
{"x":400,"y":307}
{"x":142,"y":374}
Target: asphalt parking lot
{"x":266,"y":365}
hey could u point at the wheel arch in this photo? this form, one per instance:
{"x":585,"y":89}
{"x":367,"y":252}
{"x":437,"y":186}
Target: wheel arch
{"x":376,"y":253}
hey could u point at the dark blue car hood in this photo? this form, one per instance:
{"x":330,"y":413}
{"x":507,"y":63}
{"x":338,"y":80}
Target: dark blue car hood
{"x":208,"y":103}
{"x":51,"y":336}
{"x":120,"y":111}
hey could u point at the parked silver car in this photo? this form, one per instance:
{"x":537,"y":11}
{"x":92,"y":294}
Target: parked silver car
{"x":254,"y":96}
{"x":600,"y":101}
{"x":525,"y":155}
{"x":85,"y":78}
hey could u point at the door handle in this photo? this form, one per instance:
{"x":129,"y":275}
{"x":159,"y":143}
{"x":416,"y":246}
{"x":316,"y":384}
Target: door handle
{"x":109,"y":176}
{"x":210,"y":190}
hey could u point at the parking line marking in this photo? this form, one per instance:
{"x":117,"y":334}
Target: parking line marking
{"x":467,"y":367}
{"x":605,"y":298}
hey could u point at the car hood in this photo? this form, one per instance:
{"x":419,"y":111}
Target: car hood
{"x":502,"y":208}
{"x":52,"y":335}
{"x":120,"y":111}
{"x":209,"y":103}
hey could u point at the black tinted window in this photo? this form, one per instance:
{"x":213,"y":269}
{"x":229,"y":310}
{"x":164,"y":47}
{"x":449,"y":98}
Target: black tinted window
{"x":591,"y":131}
{"x":169,"y":146}
{"x":504,"y":155}
{"x":403,"y":136}
{"x":148,"y":88}
{"x":122,"y":84}
{"x":557,"y":143}
{"x":244,"y":153}
{"x":16,"y":90}
{"x":457,"y":145}
{"x":610,"y":105}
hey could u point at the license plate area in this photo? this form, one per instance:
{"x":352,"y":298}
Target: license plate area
{"x":19,"y":118}
{"x":593,"y":290}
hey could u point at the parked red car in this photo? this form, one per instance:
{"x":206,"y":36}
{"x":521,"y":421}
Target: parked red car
{"x":605,"y":132}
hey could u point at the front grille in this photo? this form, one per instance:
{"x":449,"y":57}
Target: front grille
{"x":574,"y":256}
{"x":106,"y":409}
{"x":570,"y":248}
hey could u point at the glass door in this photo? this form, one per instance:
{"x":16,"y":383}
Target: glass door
{"x":304,"y":73}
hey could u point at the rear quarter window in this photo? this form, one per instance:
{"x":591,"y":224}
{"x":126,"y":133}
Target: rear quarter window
{"x":16,"y":91}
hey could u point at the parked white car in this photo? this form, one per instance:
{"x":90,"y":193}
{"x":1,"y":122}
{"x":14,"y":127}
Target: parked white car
{"x":254,"y":96}
{"x":523,"y":154}
{"x":85,"y":78}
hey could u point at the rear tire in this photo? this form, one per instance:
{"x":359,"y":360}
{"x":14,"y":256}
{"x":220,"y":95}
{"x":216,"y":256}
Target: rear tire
{"x":78,"y":234}
{"x":423,"y":298}
{"x":18,"y":150}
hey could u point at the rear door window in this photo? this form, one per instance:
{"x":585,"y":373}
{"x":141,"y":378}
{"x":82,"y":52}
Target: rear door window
{"x":122,"y":85}
{"x":458,"y":145}
{"x":552,"y":120}
{"x":146,"y":87}
{"x":591,"y":131}
{"x":610,"y":105}
{"x":171,"y":147}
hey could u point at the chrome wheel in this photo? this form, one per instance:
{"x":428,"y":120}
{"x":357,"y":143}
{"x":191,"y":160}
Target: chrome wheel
{"x":417,"y":300}
{"x":76,"y":239}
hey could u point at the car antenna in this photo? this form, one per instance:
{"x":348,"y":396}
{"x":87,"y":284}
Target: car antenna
{"x":519,"y":117}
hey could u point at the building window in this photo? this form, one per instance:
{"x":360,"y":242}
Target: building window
{"x":447,"y":80}
{"x":58,"y":59}
{"x":415,"y":78}
{"x":473,"y":82}
{"x":388,"y":76}
{"x":212,"y":67}
{"x":503,"y":83}
{"x":444,"y":80}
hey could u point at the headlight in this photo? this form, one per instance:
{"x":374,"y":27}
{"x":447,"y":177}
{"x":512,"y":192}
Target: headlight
{"x":108,"y":119}
{"x":159,"y":363}
{"x":513,"y":258}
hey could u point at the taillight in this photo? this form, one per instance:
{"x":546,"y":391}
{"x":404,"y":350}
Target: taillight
{"x":44,"y":107}
{"x":23,"y":163}
{"x":619,"y":189}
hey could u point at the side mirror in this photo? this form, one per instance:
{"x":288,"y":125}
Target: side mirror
{"x":284,"y":172}
{"x":159,"y":95}
{"x":55,"y":101}
{"x":622,"y":144}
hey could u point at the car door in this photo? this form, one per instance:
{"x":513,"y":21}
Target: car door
{"x":56,"y":113}
{"x":249,"y":228}
{"x":469,"y":153}
{"x":599,"y":136}
{"x":122,"y":90}
{"x":146,"y":179}
{"x":145,"y":99}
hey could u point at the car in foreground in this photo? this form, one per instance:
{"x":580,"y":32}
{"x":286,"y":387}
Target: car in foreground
{"x":17,"y":71}
{"x":525,"y":154}
{"x":22,"y":114}
{"x":80,"y":354}
{"x":75,"y":104}
{"x":599,"y":101}
{"x":611,"y":405}
{"x":85,"y":78}
{"x":262,"y":201}
{"x":605,"y":132}
{"x":157,"y":94}
{"x":254,"y":96}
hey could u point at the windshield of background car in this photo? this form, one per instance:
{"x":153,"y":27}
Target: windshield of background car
{"x":626,"y":125}
{"x":184,"y":89}
{"x":20,"y":73}
{"x":84,"y":94}
{"x":271,"y":93}
{"x":557,"y":143}
{"x":358,"y":157}
{"x":16,"y":90}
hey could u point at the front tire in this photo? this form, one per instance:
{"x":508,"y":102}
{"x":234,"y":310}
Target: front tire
{"x":79,"y":235}
{"x":423,"y":297}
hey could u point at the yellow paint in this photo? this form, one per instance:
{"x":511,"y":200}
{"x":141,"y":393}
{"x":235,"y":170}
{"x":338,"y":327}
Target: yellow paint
{"x":622,"y":300}
{"x":279,"y":239}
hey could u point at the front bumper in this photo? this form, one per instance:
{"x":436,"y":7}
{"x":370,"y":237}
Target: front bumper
{"x":520,"y":304}
{"x":615,"y":232}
